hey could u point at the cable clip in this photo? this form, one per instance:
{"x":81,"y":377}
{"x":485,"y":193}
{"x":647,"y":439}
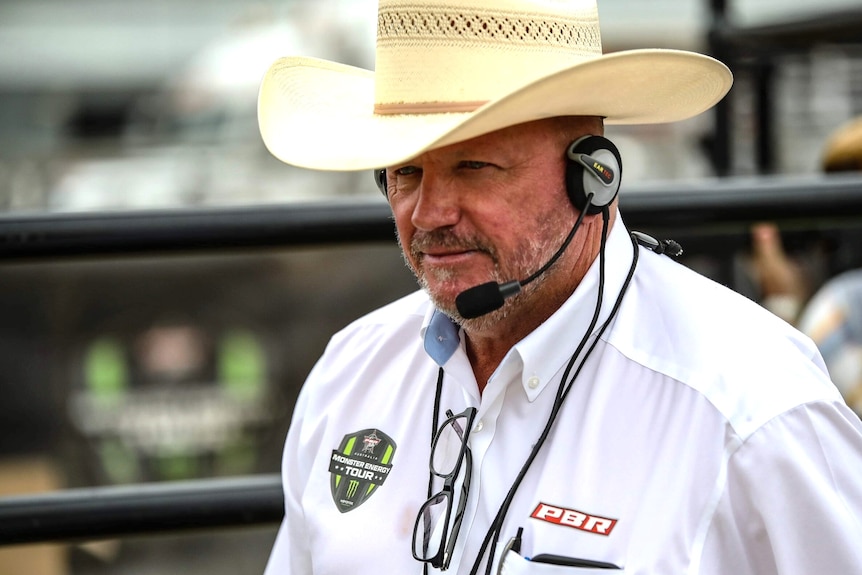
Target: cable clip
{"x":667,"y":247}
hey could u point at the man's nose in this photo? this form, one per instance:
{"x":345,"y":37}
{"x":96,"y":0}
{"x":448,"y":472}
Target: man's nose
{"x":437,"y":204}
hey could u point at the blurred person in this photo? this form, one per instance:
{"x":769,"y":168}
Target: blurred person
{"x":612,"y":410}
{"x":782,"y":281}
{"x":832,"y":316}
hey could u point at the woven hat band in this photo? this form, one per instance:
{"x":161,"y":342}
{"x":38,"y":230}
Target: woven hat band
{"x":441,"y":57}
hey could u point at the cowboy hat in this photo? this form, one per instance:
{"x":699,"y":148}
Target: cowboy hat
{"x":843,"y":150}
{"x":450,"y":71}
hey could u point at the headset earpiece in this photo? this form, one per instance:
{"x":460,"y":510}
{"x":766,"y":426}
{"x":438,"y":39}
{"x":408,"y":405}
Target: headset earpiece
{"x":593,"y":166}
{"x":380,"y":180}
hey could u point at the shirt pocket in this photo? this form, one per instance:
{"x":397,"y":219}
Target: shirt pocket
{"x":515,"y":564}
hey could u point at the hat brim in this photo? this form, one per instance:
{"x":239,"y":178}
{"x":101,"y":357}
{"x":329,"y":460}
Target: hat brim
{"x":320,"y":115}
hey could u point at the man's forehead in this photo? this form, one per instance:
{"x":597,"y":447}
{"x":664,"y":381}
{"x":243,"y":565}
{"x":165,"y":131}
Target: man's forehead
{"x":521,"y":137}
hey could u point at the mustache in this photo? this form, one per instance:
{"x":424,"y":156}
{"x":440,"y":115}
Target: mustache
{"x":448,"y":240}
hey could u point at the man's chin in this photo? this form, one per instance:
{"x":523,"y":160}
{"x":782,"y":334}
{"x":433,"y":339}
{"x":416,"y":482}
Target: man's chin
{"x":446,"y":303}
{"x":481,"y":323}
{"x":444,"y":294}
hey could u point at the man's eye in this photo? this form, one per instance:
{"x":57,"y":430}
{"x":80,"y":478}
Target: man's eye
{"x":407,"y":171}
{"x":474,"y":165}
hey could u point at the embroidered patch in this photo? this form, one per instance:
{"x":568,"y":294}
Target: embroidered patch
{"x":359,"y":466}
{"x":575,"y":519}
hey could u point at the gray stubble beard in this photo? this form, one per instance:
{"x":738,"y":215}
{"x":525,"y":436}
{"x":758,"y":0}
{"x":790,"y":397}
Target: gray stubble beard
{"x":534,"y":252}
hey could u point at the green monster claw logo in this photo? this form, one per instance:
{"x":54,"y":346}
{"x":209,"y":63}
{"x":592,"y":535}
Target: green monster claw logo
{"x":359,"y":466}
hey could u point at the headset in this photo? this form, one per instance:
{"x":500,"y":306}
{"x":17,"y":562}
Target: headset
{"x":594,"y":171}
{"x":593,"y":174}
{"x":380,"y":179}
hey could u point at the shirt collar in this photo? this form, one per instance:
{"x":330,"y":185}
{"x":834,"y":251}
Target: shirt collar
{"x":441,"y":336}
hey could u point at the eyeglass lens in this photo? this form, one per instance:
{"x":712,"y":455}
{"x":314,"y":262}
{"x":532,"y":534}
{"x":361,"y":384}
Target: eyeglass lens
{"x":449,"y":445}
{"x":431,"y":525}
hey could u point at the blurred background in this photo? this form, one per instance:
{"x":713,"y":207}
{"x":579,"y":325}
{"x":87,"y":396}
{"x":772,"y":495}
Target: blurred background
{"x":120,"y":370}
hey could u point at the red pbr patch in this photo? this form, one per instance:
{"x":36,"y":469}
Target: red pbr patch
{"x":575,"y":519}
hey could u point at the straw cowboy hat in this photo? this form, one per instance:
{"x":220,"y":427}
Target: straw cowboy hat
{"x":451,"y":70}
{"x":843,"y":149}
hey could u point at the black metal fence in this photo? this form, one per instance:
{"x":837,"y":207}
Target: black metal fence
{"x":121,"y":511}
{"x":718,"y":207}
{"x":711,"y":217}
{"x":756,"y":50}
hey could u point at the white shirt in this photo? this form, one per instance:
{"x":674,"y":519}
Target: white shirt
{"x":702,"y":436}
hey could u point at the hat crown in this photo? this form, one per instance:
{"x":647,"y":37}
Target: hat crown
{"x":438,"y":56}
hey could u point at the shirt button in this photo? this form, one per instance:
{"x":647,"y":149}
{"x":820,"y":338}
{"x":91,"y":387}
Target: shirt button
{"x":479,"y":426}
{"x":533,"y":382}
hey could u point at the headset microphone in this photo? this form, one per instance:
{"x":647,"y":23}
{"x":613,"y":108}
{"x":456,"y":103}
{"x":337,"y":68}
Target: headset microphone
{"x":487,"y":297}
{"x":593,"y":173}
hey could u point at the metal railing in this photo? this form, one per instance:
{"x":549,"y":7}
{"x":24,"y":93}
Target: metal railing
{"x":122,"y":511}
{"x":687,"y":208}
{"x":706,"y":209}
{"x":756,"y":50}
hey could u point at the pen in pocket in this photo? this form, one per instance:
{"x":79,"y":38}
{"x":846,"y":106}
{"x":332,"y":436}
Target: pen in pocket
{"x":571,"y":561}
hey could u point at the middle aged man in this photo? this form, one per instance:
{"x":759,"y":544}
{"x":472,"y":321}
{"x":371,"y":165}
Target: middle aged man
{"x":560,"y":397}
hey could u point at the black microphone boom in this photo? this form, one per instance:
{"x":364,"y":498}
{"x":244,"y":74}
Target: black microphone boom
{"x":485,"y":298}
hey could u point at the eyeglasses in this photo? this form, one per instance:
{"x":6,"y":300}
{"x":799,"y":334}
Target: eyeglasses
{"x":433,"y":541}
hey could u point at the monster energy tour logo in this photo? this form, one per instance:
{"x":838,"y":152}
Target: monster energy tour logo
{"x":357,"y":473}
{"x":359,"y":469}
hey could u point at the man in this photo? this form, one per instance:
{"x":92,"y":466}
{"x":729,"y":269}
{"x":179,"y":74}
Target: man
{"x":557,"y":398}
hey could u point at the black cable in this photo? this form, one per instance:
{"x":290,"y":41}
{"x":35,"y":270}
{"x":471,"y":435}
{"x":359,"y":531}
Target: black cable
{"x":434,"y":423}
{"x":493,"y":533}
{"x":563,"y":247}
